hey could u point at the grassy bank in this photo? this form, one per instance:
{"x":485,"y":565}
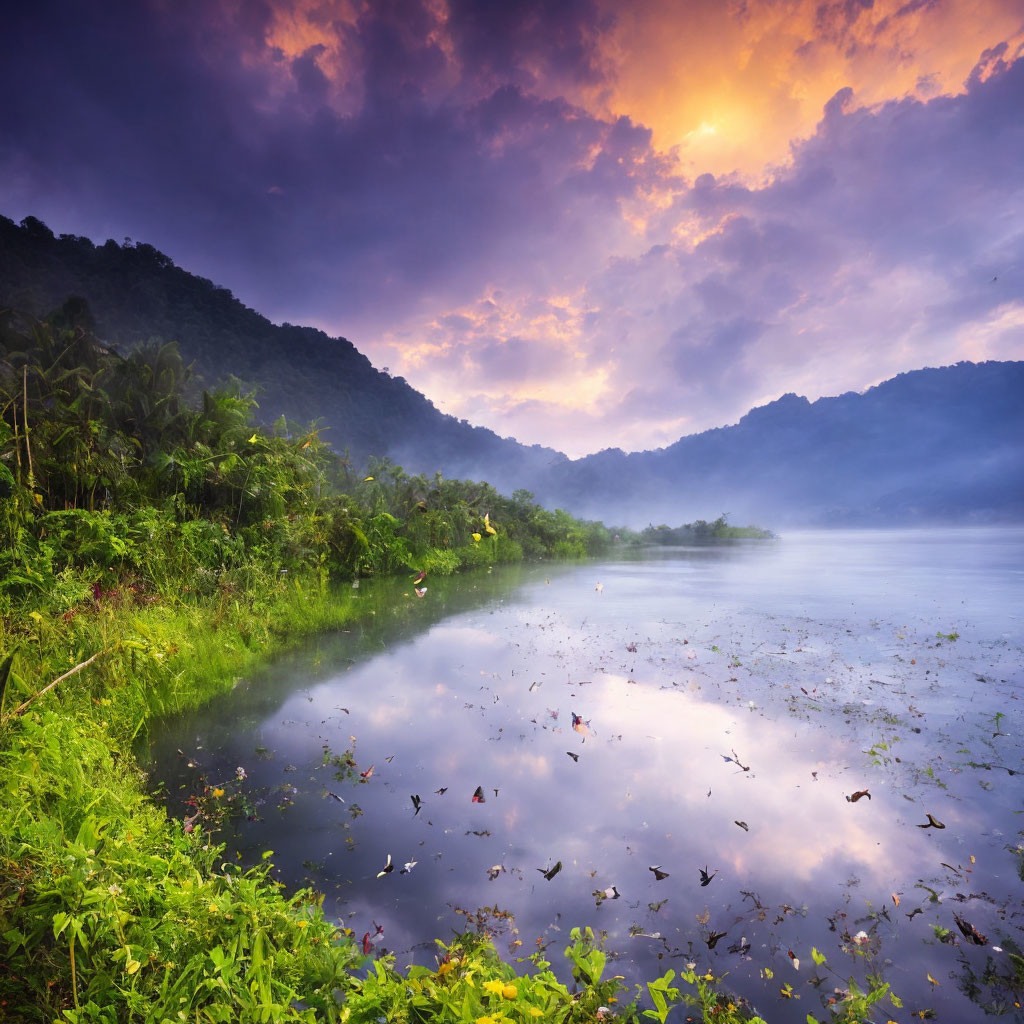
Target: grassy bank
{"x":109,"y":910}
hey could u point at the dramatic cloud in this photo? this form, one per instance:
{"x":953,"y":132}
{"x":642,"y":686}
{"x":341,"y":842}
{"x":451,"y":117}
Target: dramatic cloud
{"x":581,"y":223}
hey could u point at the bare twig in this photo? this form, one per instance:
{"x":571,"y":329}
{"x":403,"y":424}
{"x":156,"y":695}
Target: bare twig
{"x":24,"y":412}
{"x":78,"y":668}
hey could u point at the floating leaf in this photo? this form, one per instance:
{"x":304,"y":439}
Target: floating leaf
{"x":854,"y":797}
{"x":387,"y":869}
{"x":478,"y":795}
{"x":600,"y":895}
{"x":705,"y":878}
{"x":658,"y":873}
{"x":575,"y":757}
{"x":712,"y":939}
{"x":369,"y":941}
{"x":969,"y":931}
{"x":551,"y":872}
{"x":416,"y":802}
{"x":931,"y":822}
{"x":743,"y":825}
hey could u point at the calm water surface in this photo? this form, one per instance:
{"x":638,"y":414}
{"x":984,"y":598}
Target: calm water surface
{"x":755,"y":683}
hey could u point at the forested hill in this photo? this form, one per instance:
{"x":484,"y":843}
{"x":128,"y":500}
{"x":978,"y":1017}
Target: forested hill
{"x":929,"y":446}
{"x":134,"y":293}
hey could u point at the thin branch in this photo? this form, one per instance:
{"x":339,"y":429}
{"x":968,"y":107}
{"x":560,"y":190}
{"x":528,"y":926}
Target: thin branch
{"x":24,"y":410}
{"x":78,"y":668}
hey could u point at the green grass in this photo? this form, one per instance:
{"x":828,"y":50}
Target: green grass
{"x":109,"y":910}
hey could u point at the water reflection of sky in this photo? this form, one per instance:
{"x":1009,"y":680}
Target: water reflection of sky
{"x":810,"y":663}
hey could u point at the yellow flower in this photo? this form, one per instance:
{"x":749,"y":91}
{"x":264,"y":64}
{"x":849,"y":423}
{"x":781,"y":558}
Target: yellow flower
{"x":476,"y":537}
{"x":486,"y":1020}
{"x":494,"y":986}
{"x":510,"y":991}
{"x":213,"y":908}
{"x":445,"y":968}
{"x":301,"y":924}
{"x":534,"y":1012}
{"x":218,"y":791}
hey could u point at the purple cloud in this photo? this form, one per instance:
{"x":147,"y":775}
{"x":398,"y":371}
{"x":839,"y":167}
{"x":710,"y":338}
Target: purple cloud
{"x":420,"y":182}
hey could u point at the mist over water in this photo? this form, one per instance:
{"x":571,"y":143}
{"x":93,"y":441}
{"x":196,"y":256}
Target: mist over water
{"x":730,"y":700}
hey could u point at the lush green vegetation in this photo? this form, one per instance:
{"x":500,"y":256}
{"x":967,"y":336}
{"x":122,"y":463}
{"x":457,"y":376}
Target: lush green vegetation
{"x":155,"y":546}
{"x":703,"y":531}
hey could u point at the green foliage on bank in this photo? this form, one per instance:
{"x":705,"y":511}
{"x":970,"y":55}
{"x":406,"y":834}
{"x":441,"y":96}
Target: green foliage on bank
{"x":117,"y":475}
{"x":703,"y":531}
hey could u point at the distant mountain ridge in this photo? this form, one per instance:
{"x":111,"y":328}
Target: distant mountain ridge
{"x":929,"y":445}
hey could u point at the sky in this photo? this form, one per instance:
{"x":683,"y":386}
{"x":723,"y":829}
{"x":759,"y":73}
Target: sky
{"x":582,"y":223}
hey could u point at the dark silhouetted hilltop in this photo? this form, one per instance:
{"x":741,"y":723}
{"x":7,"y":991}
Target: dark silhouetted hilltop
{"x":134,"y":292}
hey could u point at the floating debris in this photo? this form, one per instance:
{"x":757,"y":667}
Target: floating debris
{"x":969,"y":931}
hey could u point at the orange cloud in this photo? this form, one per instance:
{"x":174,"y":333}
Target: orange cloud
{"x":728,"y":86}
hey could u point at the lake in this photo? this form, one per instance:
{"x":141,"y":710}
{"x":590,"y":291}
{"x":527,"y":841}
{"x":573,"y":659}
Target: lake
{"x":828,"y":724}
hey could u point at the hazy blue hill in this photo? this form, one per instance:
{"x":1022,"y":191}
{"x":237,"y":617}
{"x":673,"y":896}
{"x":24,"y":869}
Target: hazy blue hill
{"x":929,"y":445}
{"x":926,"y":446}
{"x":135,"y":293}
